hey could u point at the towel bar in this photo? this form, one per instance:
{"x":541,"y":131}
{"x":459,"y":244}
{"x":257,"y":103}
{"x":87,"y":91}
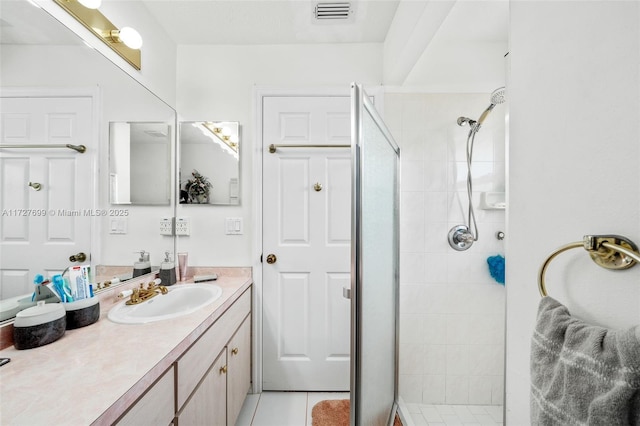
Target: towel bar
{"x":608,"y":251}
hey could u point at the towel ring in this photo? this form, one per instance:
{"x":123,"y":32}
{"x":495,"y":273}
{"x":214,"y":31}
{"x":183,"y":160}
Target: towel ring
{"x":609,"y":251}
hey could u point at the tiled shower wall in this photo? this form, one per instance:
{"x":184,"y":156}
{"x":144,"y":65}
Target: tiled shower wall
{"x":451,"y":309}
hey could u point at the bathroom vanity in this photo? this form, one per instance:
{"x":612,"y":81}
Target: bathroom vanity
{"x":194,"y":369}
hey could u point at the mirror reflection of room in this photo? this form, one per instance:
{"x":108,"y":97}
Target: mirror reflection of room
{"x":209,"y":162}
{"x":77,"y":215}
{"x":132,"y":148}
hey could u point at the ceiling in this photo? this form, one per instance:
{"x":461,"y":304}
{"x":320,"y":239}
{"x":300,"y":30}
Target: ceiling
{"x":269,"y":21}
{"x":461,"y":49}
{"x":468,"y":42}
{"x":292,"y":21}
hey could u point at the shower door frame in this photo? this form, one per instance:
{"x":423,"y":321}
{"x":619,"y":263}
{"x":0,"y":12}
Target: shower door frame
{"x":361,"y":102}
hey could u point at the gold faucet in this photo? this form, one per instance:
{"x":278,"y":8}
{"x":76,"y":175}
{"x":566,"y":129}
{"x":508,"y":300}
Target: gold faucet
{"x":142,"y":294}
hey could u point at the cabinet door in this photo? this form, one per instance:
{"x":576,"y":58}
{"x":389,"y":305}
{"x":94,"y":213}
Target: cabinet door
{"x":208,"y":404}
{"x":239,"y":379}
{"x":156,"y":407}
{"x":196,"y":361}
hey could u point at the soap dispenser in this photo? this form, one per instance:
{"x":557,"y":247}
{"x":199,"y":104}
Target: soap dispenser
{"x":167,"y":271}
{"x":143,"y":265}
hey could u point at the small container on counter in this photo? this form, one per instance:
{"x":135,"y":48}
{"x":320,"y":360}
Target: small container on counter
{"x":39,"y":325}
{"x":82,"y":312}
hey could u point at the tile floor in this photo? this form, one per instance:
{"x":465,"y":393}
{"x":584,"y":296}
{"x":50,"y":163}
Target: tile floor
{"x":282,"y":408}
{"x":467,"y":415}
{"x":294,"y":409}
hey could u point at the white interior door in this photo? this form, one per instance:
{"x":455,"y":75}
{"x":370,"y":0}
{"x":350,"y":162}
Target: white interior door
{"x":307,"y":228}
{"x":40,"y":229}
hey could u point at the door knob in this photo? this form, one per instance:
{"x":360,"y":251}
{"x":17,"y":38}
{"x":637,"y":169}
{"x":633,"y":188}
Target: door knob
{"x":271,"y":259}
{"x":80,"y":257}
{"x":35,"y":186}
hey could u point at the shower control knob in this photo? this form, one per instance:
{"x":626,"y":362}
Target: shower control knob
{"x":271,"y":259}
{"x":460,"y":238}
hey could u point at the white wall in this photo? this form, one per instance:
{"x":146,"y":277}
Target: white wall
{"x":217,"y":83}
{"x":451,"y":309}
{"x":573,"y":168}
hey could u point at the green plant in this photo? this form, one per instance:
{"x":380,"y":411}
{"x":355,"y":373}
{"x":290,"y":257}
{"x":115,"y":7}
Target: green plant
{"x":198,"y":185}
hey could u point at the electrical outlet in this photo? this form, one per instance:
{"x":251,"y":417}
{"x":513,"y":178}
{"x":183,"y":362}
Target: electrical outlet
{"x":183,"y":226}
{"x":166,"y":226}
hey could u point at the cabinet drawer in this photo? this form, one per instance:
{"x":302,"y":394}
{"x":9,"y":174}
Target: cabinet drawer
{"x":156,"y":407}
{"x":196,"y":361}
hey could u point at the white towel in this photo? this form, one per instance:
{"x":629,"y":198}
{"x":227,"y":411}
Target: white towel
{"x":583,"y":374}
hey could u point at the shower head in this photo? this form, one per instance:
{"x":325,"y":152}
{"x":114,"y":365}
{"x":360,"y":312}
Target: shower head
{"x":463,"y":120}
{"x":497,"y":97}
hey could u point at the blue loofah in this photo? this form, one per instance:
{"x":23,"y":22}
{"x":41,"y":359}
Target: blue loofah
{"x":496,"y":268}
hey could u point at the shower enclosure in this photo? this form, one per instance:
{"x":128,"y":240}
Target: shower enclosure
{"x":374,"y":266}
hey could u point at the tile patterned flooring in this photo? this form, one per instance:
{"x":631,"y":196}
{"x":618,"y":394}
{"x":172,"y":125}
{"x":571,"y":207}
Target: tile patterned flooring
{"x":294,"y":409}
{"x":455,"y":415}
{"x":282,"y":408}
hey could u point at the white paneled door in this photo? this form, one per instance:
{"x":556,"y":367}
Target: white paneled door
{"x":47,"y":194}
{"x":306,"y":243}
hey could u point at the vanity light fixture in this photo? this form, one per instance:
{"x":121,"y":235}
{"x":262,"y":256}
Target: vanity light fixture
{"x":114,"y":37}
{"x":224,"y":134}
{"x":128,"y":36}
{"x":91,"y":4}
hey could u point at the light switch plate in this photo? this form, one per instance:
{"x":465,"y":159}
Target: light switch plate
{"x":233,"y":226}
{"x":118,"y":225}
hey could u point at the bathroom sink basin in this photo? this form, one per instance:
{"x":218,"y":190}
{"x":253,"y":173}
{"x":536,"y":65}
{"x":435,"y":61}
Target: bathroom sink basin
{"x":181,"y":300}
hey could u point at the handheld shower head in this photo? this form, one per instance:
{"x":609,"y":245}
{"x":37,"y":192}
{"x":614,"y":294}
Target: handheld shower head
{"x":498,"y":96}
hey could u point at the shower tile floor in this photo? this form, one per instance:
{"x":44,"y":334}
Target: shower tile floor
{"x":467,"y":415}
{"x":294,"y":409}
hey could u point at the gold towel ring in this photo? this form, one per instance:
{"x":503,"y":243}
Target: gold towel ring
{"x":609,"y":251}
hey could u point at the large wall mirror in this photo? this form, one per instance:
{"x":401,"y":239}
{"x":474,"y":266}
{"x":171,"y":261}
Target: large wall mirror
{"x":209,"y":162}
{"x":41,"y":59}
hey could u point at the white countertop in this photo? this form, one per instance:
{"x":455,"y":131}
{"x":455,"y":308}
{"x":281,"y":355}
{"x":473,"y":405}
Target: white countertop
{"x":92,"y":374}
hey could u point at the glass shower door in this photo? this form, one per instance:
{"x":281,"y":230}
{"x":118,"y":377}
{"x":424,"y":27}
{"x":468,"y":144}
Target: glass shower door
{"x":374,"y":266}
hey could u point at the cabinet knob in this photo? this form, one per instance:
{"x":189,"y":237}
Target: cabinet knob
{"x":223,"y":369}
{"x":234,"y":351}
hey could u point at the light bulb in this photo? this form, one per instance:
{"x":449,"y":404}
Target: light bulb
{"x":130,"y":37}
{"x":90,"y":4}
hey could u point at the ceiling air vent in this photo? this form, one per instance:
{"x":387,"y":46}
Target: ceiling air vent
{"x":333,"y":10}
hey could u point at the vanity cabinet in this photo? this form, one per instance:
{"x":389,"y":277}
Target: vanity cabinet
{"x":208,"y":383}
{"x":155,"y":407}
{"x":213,"y":376}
